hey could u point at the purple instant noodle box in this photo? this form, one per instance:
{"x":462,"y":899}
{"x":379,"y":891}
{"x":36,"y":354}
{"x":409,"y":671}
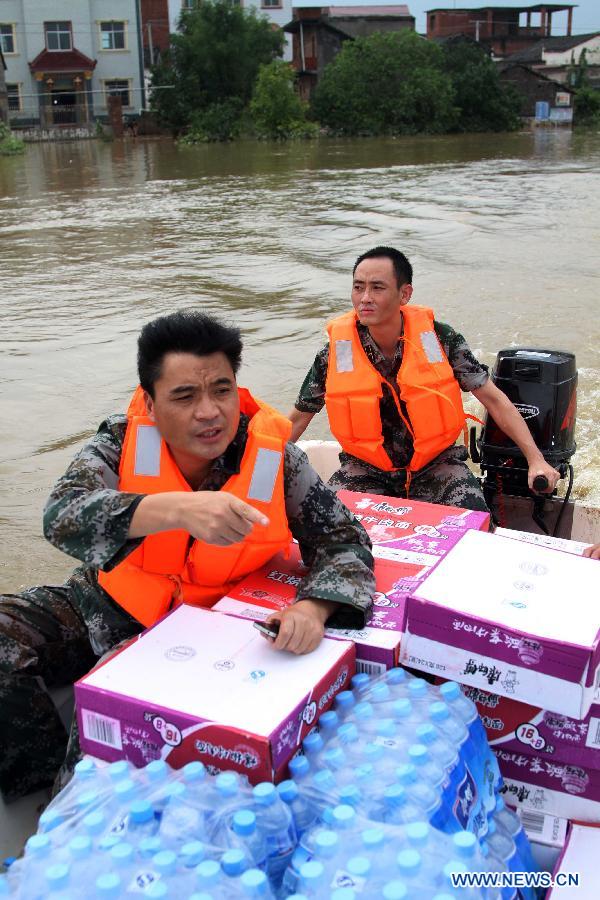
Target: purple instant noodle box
{"x":513,"y":618}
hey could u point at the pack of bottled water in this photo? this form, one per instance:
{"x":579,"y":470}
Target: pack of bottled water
{"x":394,"y":794}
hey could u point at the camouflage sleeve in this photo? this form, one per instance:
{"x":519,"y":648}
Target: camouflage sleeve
{"x":468,"y":371}
{"x":86,"y":515}
{"x":333,"y":544}
{"x":311,"y":398}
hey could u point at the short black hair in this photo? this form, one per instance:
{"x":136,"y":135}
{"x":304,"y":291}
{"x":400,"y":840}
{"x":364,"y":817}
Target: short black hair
{"x":402,"y":267}
{"x":185,"y":331}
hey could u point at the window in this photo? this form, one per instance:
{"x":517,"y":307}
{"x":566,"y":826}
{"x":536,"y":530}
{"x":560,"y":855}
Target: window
{"x":14,"y":97}
{"x":58,"y":35}
{"x":189,"y":4}
{"x":112,"y":36}
{"x":7,"y":38}
{"x":118,"y":88}
{"x":269,"y":4}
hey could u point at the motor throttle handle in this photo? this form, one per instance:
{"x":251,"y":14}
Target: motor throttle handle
{"x":540,"y":483}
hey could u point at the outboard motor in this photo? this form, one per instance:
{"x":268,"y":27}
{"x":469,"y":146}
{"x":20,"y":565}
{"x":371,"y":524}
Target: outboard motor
{"x":542,"y":384}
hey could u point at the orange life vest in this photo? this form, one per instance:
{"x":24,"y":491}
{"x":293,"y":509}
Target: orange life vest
{"x":171,"y":567}
{"x":434,"y":411}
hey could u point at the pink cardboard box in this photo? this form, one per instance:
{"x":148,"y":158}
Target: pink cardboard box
{"x":509,"y":617}
{"x":409,"y":537}
{"x":202,"y":686}
{"x":536,"y":783}
{"x":519,"y":727}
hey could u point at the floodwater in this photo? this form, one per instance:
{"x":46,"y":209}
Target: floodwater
{"x":96,"y":239}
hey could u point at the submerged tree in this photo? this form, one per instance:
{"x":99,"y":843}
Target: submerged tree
{"x":277,"y":110}
{"x":484,"y":104}
{"x":212,"y":65}
{"x":391,"y":83}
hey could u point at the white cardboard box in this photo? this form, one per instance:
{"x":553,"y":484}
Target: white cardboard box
{"x":510,"y":617}
{"x":580,"y":858}
{"x":544,"y":540}
{"x":201,"y":685}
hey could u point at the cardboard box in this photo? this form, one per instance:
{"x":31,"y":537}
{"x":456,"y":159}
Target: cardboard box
{"x":518,"y":727}
{"x":409,"y":538}
{"x":544,"y":540}
{"x":554,"y":788}
{"x":547,"y":836}
{"x":576,"y":872}
{"x":509,"y":617}
{"x":202,"y":686}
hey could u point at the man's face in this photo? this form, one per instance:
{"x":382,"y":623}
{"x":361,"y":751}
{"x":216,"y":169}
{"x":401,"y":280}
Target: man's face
{"x":196,"y":406}
{"x":376,"y":296}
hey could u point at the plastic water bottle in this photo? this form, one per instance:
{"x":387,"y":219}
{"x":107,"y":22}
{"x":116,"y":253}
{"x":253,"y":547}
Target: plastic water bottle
{"x":234,"y":862}
{"x":395,"y":890}
{"x":118,"y":770}
{"x":194,"y":777}
{"x":180,"y":822}
{"x":405,"y":714}
{"x":313,"y":879}
{"x":344,"y":703}
{"x":426,"y":766}
{"x":397,"y":681}
{"x":428,"y":799}
{"x":303,"y":811}
{"x":300,"y":769}
{"x":419,"y":691}
{"x":275,"y":822}
{"x":108,"y":886}
{"x":502,"y":845}
{"x":409,"y":863}
{"x":510,"y":821}
{"x":252,"y":840}
{"x":329,"y":723}
{"x":313,"y":746}
{"x":397,"y":806}
{"x":381,"y":693}
{"x":142,"y":821}
{"x":254,"y":883}
{"x":191,"y":855}
{"x":358,"y":869}
{"x":360,"y":683}
{"x":95,"y":825}
{"x":210,"y":877}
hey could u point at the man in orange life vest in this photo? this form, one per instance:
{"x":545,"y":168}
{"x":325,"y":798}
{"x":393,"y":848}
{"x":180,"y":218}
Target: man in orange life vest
{"x":391,"y":379}
{"x":197,"y":486}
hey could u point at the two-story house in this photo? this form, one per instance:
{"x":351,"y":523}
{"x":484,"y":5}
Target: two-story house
{"x":65,"y":58}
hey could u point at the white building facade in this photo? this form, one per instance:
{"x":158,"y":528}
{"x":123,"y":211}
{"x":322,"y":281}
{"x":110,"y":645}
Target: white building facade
{"x":64,"y":59}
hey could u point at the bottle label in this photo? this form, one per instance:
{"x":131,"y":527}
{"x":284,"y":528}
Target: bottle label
{"x":467,"y":800}
{"x":344,"y":879}
{"x":142,"y":879}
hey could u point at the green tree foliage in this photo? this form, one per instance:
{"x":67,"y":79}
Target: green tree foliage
{"x":391,"y":83}
{"x":484,"y":103}
{"x":9,"y":144}
{"x":587,"y":106}
{"x":212,"y":64}
{"x":277,"y":111}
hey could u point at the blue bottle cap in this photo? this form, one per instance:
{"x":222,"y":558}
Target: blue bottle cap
{"x":125,"y":789}
{"x":149,"y":846}
{"x":359,"y":866}
{"x":233,"y":862}
{"x":343,"y":815}
{"x":94,"y":822}
{"x":344,"y":701}
{"x":373,"y":753}
{"x":409,"y":862}
{"x":395,"y":796}
{"x":417,"y":833}
{"x":386,"y":728}
{"x":329,"y":721}
{"x":465,"y":843}
{"x":343,"y":893}
{"x":364,"y":710}
{"x":141,"y":811}
{"x":208,"y":873}
{"x":227,"y":783}
{"x":373,"y":839}
{"x":118,"y":770}
{"x":407,"y":773}
{"x":347,"y":733}
{"x":255,"y":882}
{"x":89,"y":798}
{"x":299,"y":767}
{"x":57,"y":876}
{"x":288,"y":790}
{"x":323,"y":780}
{"x":244,"y":821}
{"x":50,"y":819}
{"x":192,"y":853}
{"x":85,"y":768}
{"x":395,"y":890}
{"x":439,"y":711}
{"x":108,"y":885}
{"x":157,"y":770}
{"x":80,"y":846}
{"x":426,"y":733}
{"x":313,"y":743}
{"x":311,"y":873}
{"x":326,"y":842}
{"x":265,"y":793}
{"x":364,"y":772}
{"x":122,"y":854}
{"x":38,"y":844}
{"x":418,"y":753}
{"x":450,"y":691}
{"x":334,"y":758}
{"x":360,"y":682}
{"x":418,"y":687}
{"x":350,"y":794}
{"x":158,"y":890}
{"x":452,"y":868}
{"x":395,"y":675}
{"x":380,"y":693}
{"x":194,"y":772}
{"x":401,"y":709}
{"x":109,"y":841}
{"x":165,"y":861}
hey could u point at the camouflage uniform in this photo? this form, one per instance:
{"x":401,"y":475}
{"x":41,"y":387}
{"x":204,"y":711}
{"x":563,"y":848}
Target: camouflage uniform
{"x":50,"y":636}
{"x":447,"y":479}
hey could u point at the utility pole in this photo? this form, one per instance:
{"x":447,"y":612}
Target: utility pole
{"x":150,"y":45}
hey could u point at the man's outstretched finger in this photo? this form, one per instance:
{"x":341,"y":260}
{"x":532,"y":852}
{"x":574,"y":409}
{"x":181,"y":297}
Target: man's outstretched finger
{"x":249,"y":513}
